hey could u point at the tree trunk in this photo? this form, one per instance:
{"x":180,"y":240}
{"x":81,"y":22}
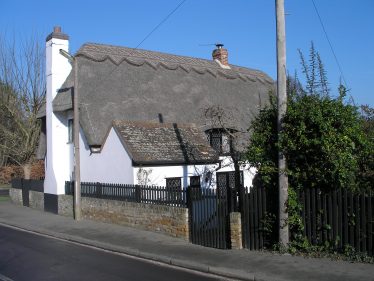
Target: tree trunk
{"x":26,"y":171}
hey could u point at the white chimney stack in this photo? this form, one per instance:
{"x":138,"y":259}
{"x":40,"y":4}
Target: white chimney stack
{"x":57,"y":70}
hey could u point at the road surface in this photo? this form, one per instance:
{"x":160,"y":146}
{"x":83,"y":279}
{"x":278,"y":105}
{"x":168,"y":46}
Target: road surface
{"x":27,"y":256}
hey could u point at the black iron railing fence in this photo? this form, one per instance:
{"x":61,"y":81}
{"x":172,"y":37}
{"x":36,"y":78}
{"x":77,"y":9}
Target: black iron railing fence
{"x":170,"y":196}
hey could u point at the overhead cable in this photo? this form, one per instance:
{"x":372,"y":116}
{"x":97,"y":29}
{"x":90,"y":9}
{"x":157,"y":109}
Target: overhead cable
{"x":328,"y":40}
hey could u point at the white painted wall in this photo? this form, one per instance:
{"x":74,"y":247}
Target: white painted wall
{"x":58,"y":150}
{"x":114,"y":165}
{"x":156,"y":175}
{"x":111,"y":165}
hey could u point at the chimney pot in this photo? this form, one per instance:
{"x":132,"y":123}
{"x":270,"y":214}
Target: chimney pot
{"x":57,"y":34}
{"x":57,"y":29}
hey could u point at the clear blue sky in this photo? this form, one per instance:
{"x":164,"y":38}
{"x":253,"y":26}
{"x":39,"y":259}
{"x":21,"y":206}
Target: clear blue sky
{"x":246,"y":27}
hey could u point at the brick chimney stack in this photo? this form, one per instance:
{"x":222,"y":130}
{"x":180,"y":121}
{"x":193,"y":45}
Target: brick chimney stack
{"x":220,"y":54}
{"x":57,"y":34}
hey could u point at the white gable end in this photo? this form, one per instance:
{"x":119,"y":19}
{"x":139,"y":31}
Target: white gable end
{"x":111,"y":165}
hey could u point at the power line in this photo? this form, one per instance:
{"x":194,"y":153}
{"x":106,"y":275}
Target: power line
{"x":328,"y":40}
{"x":157,"y":26}
{"x":102,"y":78}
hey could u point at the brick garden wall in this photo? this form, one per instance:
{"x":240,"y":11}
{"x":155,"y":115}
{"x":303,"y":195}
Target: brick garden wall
{"x":169,"y":220}
{"x":36,"y":200}
{"x":172,"y":221}
{"x":16,"y":196}
{"x":65,"y":205}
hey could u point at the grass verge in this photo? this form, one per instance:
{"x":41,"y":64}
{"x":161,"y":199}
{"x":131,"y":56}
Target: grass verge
{"x":4,"y":198}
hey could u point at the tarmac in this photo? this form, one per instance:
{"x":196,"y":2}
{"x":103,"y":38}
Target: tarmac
{"x":233,"y":264}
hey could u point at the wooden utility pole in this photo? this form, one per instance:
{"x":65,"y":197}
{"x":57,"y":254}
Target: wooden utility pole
{"x":77,"y":172}
{"x":282,"y":107}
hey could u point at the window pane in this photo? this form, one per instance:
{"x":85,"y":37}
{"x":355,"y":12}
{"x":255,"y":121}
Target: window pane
{"x":173,"y":182}
{"x":173,"y":186}
{"x":221,"y":180}
{"x":227,"y":179}
{"x":216,"y":141}
{"x":231,"y":176}
{"x":220,"y":140}
{"x":195,"y":181}
{"x":225,"y":143}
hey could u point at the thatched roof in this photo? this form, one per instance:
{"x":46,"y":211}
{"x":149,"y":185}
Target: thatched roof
{"x":118,"y":83}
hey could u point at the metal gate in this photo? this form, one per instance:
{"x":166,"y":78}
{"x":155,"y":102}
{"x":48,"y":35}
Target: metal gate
{"x":209,"y":217}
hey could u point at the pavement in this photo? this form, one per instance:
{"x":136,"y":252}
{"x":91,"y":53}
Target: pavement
{"x":235,"y":264}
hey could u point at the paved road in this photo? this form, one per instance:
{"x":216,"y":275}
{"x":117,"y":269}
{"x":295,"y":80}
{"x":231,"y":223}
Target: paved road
{"x":26,"y":256}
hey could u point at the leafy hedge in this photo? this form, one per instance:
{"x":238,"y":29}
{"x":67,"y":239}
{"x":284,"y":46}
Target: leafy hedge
{"x":327,"y":141}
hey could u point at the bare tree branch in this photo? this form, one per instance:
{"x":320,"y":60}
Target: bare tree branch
{"x":22,"y":92}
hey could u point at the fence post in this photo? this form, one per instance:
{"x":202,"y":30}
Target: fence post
{"x":137,"y":194}
{"x":236,"y":230}
{"x":229,"y":198}
{"x":189,"y":197}
{"x":240,"y":195}
{"x":99,"y":190}
{"x":71,"y":189}
{"x":25,"y":192}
